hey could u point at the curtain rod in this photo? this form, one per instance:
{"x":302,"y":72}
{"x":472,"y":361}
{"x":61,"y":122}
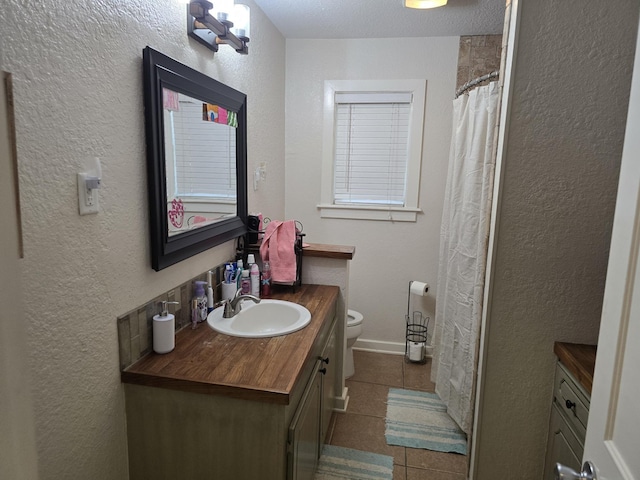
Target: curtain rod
{"x":472,"y":83}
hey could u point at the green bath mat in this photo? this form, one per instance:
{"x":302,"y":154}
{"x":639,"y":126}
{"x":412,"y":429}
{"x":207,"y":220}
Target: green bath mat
{"x":338,"y":463}
{"x":420,"y":420}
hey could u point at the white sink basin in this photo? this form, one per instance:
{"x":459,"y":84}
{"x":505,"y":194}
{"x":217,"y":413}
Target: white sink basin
{"x":269,"y":318}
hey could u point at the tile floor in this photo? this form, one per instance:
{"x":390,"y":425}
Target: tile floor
{"x":362,"y":426}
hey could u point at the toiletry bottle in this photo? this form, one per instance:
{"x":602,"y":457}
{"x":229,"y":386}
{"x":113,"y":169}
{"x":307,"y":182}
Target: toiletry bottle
{"x":254,"y":275}
{"x":209,"y":293}
{"x":266,"y":280}
{"x":245,"y":283}
{"x":201,"y":299}
{"x":195,"y":314}
{"x":239,"y":273}
{"x":164,"y":326}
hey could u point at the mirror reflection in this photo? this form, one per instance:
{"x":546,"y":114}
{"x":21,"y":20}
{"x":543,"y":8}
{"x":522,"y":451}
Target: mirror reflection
{"x":200,"y":157}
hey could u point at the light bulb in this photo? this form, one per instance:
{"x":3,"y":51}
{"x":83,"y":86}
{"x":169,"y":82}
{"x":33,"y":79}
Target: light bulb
{"x":241,"y":21}
{"x":222,"y":10}
{"x":424,"y":3}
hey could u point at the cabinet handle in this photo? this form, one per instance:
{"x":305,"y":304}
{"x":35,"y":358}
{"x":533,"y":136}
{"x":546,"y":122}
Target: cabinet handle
{"x":570,"y":404}
{"x":323,"y":371}
{"x":325,"y":360}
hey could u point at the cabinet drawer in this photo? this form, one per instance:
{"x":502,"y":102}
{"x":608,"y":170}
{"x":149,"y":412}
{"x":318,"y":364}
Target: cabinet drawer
{"x":562,"y":445}
{"x":572,"y":402}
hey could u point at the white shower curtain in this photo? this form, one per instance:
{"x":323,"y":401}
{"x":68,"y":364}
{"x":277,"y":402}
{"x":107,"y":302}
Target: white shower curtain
{"x":464,"y":238}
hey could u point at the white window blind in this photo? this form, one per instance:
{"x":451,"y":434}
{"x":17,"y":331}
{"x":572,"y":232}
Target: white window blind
{"x":205,"y":154}
{"x":371,"y":147}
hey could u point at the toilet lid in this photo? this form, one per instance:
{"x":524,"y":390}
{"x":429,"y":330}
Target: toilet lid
{"x":353,"y":318}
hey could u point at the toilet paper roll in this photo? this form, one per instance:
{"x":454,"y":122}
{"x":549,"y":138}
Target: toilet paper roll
{"x":419,"y":288}
{"x":415,"y":351}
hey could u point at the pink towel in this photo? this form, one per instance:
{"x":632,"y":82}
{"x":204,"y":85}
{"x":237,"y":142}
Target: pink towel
{"x":278,"y":248}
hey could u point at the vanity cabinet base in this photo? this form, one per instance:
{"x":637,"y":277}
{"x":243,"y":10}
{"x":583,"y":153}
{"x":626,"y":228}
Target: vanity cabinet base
{"x":178,"y":434}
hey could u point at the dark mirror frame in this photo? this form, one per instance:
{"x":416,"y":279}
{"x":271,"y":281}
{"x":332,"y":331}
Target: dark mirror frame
{"x":161,"y":71}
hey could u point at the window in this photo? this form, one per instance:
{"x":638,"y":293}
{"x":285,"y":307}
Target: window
{"x":372,"y":149}
{"x":203,"y":153}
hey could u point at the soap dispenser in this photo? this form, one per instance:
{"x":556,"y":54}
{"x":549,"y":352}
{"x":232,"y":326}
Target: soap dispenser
{"x":164,"y":326}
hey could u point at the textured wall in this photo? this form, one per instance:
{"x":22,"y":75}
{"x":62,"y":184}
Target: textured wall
{"x":78,"y":85}
{"x":388,"y":254}
{"x":564,"y":143}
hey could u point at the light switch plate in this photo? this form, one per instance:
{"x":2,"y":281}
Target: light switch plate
{"x":87,"y":198}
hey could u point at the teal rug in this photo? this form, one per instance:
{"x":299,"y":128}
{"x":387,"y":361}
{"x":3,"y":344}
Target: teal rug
{"x":420,"y":420}
{"x":345,"y":463}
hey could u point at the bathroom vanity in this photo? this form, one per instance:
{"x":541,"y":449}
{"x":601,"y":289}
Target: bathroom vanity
{"x":236,"y":408}
{"x":570,"y":407}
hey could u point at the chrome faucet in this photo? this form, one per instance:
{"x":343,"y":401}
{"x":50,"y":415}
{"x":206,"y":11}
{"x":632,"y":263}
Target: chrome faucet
{"x":232,"y":307}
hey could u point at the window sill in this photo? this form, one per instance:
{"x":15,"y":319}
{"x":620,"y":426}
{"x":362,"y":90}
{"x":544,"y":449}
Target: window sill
{"x":388,"y":214}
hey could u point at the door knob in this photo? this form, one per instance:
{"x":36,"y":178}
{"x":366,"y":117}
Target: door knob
{"x":563,"y":472}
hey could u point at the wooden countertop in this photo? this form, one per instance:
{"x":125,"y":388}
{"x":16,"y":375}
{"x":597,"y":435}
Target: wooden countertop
{"x":328,"y":251}
{"x":579,"y":359}
{"x":263,"y":369}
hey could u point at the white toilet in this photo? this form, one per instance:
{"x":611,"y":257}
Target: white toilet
{"x":354,"y":329}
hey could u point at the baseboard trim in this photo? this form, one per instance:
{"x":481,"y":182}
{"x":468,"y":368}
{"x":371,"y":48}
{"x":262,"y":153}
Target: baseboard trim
{"x":342,"y":402}
{"x":379,"y":346}
{"x":391,"y":348}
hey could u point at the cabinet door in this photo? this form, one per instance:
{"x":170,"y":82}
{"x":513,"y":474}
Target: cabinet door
{"x":562,"y":445}
{"x":329,"y":363}
{"x":304,"y":431}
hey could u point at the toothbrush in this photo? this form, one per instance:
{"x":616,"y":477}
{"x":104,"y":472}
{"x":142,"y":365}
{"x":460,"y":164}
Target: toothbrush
{"x":209,"y":293}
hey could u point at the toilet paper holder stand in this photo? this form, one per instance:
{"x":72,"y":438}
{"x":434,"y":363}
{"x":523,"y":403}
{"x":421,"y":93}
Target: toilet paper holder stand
{"x":416,"y":333}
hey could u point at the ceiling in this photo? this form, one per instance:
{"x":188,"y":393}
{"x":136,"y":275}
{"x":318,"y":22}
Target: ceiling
{"x":382,"y":18}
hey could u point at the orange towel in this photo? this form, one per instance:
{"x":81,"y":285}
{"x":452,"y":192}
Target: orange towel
{"x":278,"y":249}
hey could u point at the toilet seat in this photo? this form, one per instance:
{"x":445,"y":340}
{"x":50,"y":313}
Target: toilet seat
{"x":353,"y":318}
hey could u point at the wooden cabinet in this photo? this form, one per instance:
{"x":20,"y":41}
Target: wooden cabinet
{"x":184,"y":434}
{"x":304,"y":431}
{"x":311,"y":422}
{"x":568,"y":424}
{"x":329,"y":368}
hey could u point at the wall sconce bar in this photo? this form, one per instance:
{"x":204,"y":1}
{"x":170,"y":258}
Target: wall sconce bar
{"x":211,"y":32}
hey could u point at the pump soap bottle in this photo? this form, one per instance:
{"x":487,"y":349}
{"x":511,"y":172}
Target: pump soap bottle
{"x":164,"y":326}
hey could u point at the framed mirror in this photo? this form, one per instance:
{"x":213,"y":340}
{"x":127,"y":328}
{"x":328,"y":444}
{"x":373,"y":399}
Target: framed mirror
{"x":196,"y":133}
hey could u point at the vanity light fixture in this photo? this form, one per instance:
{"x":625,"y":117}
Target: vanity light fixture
{"x":424,"y":3}
{"x":227,"y":24}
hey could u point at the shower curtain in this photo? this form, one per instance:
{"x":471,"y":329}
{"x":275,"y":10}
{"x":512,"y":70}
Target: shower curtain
{"x":464,"y":238}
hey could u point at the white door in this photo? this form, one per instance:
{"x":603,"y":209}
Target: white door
{"x":613,"y":434}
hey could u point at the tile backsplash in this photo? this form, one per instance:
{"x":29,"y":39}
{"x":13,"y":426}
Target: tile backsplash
{"x":134,"y":327}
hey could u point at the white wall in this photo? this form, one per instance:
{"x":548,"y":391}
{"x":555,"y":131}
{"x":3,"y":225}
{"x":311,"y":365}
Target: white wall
{"x":563,"y":147}
{"x":77,"y":70}
{"x":388,"y":255}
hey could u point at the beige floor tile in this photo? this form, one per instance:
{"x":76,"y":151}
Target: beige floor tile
{"x":365,"y":433}
{"x":399,"y":472}
{"x":446,"y":462}
{"x":423,"y":474}
{"x":362,"y":428}
{"x":378,"y":368}
{"x":418,"y":376}
{"x":367,"y":398}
